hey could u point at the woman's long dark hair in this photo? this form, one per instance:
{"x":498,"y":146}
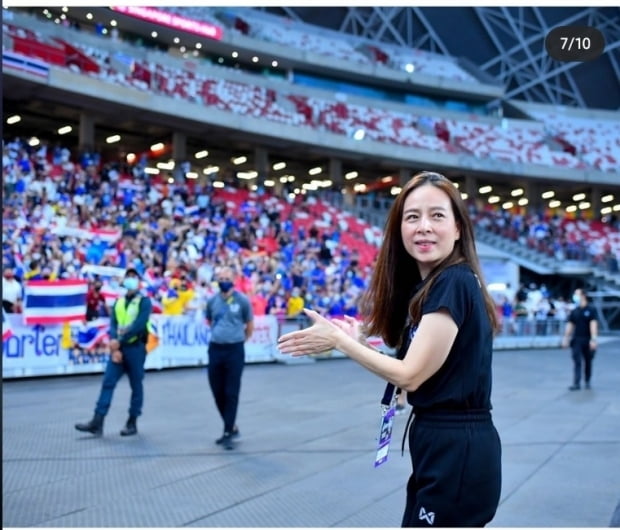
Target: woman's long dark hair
{"x":388,"y":301}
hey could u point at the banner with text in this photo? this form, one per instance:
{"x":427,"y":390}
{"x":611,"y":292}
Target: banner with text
{"x":46,"y":350}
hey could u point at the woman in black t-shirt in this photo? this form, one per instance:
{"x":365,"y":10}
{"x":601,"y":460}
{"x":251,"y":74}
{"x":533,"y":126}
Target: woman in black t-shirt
{"x":427,"y":298}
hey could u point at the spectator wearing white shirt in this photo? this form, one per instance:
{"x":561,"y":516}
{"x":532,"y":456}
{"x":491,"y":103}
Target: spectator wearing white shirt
{"x":11,"y":292}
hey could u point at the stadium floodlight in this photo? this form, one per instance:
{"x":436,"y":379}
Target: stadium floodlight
{"x":274,"y":63}
{"x":269,"y":183}
{"x":65,"y":130}
{"x":585,"y":205}
{"x":616,"y":208}
{"x":360,"y":188}
{"x":507,"y":205}
{"x":176,"y":40}
{"x":278,"y":166}
{"x":351,"y":175}
{"x":523,"y":201}
{"x":517,"y":192}
{"x":154,"y":34}
{"x":201,"y":154}
{"x":571,"y":208}
{"x":167,"y":166}
{"x":211,"y":169}
{"x":113,"y":139}
{"x":579,"y":197}
{"x":548,"y":194}
{"x":113,"y":23}
{"x":359,"y":134}
{"x":607,"y":210}
{"x":493,"y":199}
{"x":218,"y":184}
{"x":387,"y":179}
{"x":34,"y":141}
{"x":11,"y":120}
{"x":239,"y":160}
{"x":315,"y":170}
{"x":255,"y":59}
{"x":151,"y":171}
{"x":464,"y":196}
{"x":395,"y":190}
{"x":409,"y":68}
{"x":198,"y":45}
{"x":235,"y":55}
{"x":607,"y":198}
{"x":157,"y":147}
{"x":191,"y":175}
{"x":89,"y":16}
{"x":485,"y":189}
{"x":555,"y":204}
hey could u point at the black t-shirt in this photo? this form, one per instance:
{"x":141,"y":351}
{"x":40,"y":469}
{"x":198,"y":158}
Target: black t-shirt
{"x":581,"y":318}
{"x":464,"y":380}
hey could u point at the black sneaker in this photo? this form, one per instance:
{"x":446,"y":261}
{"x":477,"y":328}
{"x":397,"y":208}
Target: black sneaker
{"x":574,"y":387}
{"x":235,"y":435}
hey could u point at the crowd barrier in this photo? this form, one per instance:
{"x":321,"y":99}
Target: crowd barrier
{"x":38,"y":350}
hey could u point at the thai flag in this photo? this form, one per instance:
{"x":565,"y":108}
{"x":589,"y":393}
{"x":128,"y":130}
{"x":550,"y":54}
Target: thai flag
{"x":106,"y":234}
{"x":93,"y":332}
{"x":7,"y":332}
{"x":20,"y":62}
{"x":55,"y":302}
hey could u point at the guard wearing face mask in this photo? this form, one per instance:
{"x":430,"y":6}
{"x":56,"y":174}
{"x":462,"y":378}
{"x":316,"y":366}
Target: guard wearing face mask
{"x":129,"y":326}
{"x":230,"y":316}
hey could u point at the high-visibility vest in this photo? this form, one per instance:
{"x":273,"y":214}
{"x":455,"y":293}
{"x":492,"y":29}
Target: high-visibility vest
{"x":127,"y":313}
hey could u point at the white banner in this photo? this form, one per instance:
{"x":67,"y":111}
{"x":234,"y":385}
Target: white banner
{"x":183,"y":340}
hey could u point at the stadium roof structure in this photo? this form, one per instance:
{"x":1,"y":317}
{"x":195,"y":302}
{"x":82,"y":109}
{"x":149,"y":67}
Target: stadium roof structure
{"x":506,"y":43}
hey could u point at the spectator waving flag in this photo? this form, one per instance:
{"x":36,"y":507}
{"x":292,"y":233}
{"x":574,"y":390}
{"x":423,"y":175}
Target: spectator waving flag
{"x":93,"y":332}
{"x":6,"y":327}
{"x":55,"y":302}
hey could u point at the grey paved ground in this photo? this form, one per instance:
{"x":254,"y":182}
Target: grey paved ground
{"x":307,"y":451}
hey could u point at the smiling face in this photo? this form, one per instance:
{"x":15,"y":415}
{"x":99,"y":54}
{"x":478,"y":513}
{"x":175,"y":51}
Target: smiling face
{"x":428,"y":227}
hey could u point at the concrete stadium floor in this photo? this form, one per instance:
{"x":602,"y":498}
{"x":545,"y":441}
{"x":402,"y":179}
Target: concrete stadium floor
{"x":306,"y":455}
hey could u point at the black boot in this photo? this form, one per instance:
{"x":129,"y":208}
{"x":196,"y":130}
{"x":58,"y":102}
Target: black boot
{"x":130,"y":427}
{"x":94,"y":426}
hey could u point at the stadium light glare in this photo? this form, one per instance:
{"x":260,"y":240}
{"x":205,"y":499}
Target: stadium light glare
{"x":555,"y":204}
{"x":182,"y":49}
{"x":170,"y":180}
{"x":235,"y":55}
{"x":616,"y":208}
{"x":360,"y":188}
{"x":274,"y":64}
{"x":351,"y":175}
{"x":65,"y":9}
{"x":218,"y":184}
{"x":579,"y":197}
{"x":176,"y":40}
{"x":191,"y":175}
{"x":239,"y":160}
{"x":269,"y":183}
{"x":571,"y":208}
{"x":168,"y":166}
{"x":131,"y":158}
{"x":211,"y":169}
{"x":607,"y":210}
{"x":246,"y":175}
{"x":584,"y":205}
{"x":201,"y":154}
{"x":523,"y":201}
{"x":359,"y":134}
{"x":151,"y":171}
{"x":291,"y":178}
{"x":198,"y":45}
{"x":284,"y":179}
{"x":387,"y":179}
{"x":89,"y":16}
{"x":34,"y":141}
{"x":507,"y":205}
{"x":548,"y":194}
{"x":493,"y":199}
{"x":607,"y":198}
{"x":113,"y":139}
{"x":409,"y":68}
{"x":154,"y":34}
{"x":157,"y":147}
{"x":485,"y":189}
{"x":65,"y":130}
{"x":315,"y":171}
{"x":395,"y":190}
{"x":464,"y":196}
{"x":113,"y":23}
{"x":255,"y":59}
{"x":278,"y":166}
{"x":11,"y":120}
{"x":517,"y":192}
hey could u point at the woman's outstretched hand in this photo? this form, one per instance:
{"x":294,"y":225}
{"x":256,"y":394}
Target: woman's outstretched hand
{"x":321,"y":336}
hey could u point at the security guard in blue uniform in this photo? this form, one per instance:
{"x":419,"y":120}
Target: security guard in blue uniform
{"x":129,"y":323}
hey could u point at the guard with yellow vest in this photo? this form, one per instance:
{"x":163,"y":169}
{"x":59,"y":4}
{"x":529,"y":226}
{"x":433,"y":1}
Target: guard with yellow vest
{"x":129,"y":331}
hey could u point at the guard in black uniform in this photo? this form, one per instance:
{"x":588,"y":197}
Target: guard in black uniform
{"x":581,"y":334}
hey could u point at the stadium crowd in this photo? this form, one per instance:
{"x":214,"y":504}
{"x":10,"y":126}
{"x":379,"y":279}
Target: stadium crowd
{"x":66,"y":218}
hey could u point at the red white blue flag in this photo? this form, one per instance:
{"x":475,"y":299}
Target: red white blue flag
{"x":7,"y":332}
{"x":93,"y":332}
{"x":55,"y":302}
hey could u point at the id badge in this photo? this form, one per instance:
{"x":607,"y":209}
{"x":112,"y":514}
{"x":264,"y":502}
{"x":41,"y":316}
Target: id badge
{"x":385,"y":435}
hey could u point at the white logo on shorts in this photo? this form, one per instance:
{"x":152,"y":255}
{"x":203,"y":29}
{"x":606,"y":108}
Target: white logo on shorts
{"x":429,"y":517}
